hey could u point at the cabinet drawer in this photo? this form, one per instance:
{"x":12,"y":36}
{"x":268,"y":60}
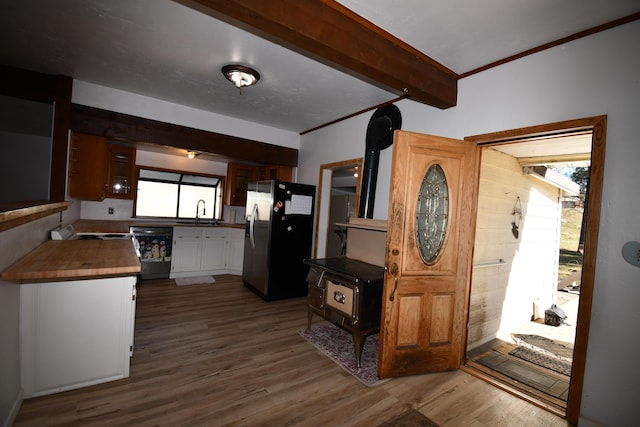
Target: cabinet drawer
{"x":215,"y":232}
{"x":187,"y":232}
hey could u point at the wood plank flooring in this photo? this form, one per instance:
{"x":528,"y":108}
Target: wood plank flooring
{"x":217,"y":355}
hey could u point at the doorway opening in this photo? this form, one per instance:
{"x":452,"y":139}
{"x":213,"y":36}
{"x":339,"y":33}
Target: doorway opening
{"x":338,"y":200}
{"x":518,"y":274}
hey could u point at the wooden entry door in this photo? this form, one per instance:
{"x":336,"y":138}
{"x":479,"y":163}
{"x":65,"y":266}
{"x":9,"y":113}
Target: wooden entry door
{"x":425,"y":302}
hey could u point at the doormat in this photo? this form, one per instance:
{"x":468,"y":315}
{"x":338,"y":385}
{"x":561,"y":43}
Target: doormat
{"x":542,"y":359}
{"x":337,"y":344}
{"x":412,"y":418}
{"x":560,"y":349}
{"x":198,"y":280}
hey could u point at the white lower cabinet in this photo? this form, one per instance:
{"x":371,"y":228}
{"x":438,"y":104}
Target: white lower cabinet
{"x":187,"y":247}
{"x":214,"y":249}
{"x":75,"y":333}
{"x":236,"y":251}
{"x":205,"y":250}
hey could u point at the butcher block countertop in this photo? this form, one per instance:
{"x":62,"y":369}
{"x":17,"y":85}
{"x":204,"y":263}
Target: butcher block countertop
{"x":56,"y":260}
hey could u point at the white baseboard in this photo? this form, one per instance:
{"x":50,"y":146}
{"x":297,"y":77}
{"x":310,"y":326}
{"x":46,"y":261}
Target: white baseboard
{"x":15,"y":408}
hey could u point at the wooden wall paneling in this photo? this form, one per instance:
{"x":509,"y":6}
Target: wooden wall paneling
{"x":124,"y":127}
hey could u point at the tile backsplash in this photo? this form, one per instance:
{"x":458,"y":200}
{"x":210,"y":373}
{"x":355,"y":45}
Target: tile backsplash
{"x":119,"y":209}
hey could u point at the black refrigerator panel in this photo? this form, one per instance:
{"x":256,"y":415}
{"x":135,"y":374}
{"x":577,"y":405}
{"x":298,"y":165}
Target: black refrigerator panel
{"x":291,"y":240}
{"x":278,"y":238}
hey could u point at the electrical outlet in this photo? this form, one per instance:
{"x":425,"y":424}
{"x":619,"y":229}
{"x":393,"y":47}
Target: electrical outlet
{"x":110,"y":211}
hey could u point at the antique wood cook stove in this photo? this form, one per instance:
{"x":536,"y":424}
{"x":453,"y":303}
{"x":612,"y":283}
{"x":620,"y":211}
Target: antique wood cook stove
{"x":347,"y":291}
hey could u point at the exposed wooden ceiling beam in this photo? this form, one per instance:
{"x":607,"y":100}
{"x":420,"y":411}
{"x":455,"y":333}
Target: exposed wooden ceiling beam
{"x":332,"y":34}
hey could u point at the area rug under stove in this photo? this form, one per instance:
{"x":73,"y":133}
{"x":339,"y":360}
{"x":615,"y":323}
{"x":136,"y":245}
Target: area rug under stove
{"x":337,"y":344}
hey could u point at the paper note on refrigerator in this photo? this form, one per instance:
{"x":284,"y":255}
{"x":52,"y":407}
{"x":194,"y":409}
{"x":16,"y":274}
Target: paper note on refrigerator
{"x":299,"y":204}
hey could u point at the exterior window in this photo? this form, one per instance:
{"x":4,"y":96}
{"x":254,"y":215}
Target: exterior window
{"x":178,"y":195}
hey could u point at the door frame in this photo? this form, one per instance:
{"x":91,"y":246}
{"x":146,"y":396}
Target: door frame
{"x":325,"y":186}
{"x":597,"y":125}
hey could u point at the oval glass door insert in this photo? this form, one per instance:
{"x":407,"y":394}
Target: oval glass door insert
{"x":432,"y":213}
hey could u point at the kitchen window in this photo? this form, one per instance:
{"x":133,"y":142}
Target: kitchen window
{"x":179,"y":195}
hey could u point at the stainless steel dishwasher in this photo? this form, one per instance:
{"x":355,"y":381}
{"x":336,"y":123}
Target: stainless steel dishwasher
{"x":155,"y":251}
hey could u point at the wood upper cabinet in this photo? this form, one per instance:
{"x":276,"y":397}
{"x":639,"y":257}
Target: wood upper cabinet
{"x":88,"y":167}
{"x":121,"y":171}
{"x":100,"y":169}
{"x":238,"y":177}
{"x":284,"y":173}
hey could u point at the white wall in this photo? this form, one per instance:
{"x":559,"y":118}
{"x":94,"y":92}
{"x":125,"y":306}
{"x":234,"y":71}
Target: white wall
{"x":502,"y":296}
{"x":596,"y":75}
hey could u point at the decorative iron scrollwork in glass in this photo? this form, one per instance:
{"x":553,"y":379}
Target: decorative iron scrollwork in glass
{"x":432,"y":213}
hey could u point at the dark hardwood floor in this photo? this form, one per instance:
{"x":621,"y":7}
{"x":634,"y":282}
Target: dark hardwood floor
{"x":217,"y":355}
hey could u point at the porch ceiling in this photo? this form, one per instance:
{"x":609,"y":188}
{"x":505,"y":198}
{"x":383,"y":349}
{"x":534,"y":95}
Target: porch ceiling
{"x":557,"y":151}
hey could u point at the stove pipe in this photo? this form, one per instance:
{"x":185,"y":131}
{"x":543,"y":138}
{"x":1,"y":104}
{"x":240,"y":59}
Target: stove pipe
{"x":369,"y":180}
{"x":379,"y":136}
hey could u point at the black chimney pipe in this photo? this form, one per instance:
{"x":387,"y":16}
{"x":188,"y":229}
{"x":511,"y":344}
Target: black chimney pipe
{"x":379,"y":136}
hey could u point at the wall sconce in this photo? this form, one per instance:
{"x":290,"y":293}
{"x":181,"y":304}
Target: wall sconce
{"x":192,"y":154}
{"x":240,"y":75}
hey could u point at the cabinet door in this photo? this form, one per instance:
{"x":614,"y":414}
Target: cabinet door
{"x":238,"y":178}
{"x":284,"y":173}
{"x":88,"y":167}
{"x":214,"y":249}
{"x":235,"y":254}
{"x":75,"y":333}
{"x":187,"y":246}
{"x":121,"y":171}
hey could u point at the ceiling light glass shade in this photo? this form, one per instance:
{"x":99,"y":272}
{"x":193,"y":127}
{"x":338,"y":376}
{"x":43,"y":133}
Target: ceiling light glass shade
{"x":240,"y":75}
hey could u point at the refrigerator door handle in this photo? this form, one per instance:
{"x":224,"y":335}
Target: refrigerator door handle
{"x":252,"y":223}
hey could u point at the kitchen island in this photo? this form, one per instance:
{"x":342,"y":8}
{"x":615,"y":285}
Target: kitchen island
{"x":77,"y":311}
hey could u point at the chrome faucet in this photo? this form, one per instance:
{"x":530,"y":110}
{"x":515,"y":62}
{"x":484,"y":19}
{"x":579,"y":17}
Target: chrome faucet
{"x":204,"y":212}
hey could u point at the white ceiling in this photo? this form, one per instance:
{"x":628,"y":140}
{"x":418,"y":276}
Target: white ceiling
{"x":166,"y":50}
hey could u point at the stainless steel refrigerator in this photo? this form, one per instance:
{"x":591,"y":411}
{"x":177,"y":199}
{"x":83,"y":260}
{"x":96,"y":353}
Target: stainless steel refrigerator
{"x":278,"y":236}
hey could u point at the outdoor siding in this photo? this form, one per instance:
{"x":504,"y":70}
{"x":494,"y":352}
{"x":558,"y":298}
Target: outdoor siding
{"x":503,"y":297}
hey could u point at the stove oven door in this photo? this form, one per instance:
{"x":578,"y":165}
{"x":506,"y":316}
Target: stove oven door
{"x":342,"y":297}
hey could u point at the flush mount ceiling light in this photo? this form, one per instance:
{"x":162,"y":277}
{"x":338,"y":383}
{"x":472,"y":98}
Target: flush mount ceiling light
{"x":240,"y":75}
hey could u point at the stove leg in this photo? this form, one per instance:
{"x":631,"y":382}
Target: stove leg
{"x":358,"y":344}
{"x":309,"y":316}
